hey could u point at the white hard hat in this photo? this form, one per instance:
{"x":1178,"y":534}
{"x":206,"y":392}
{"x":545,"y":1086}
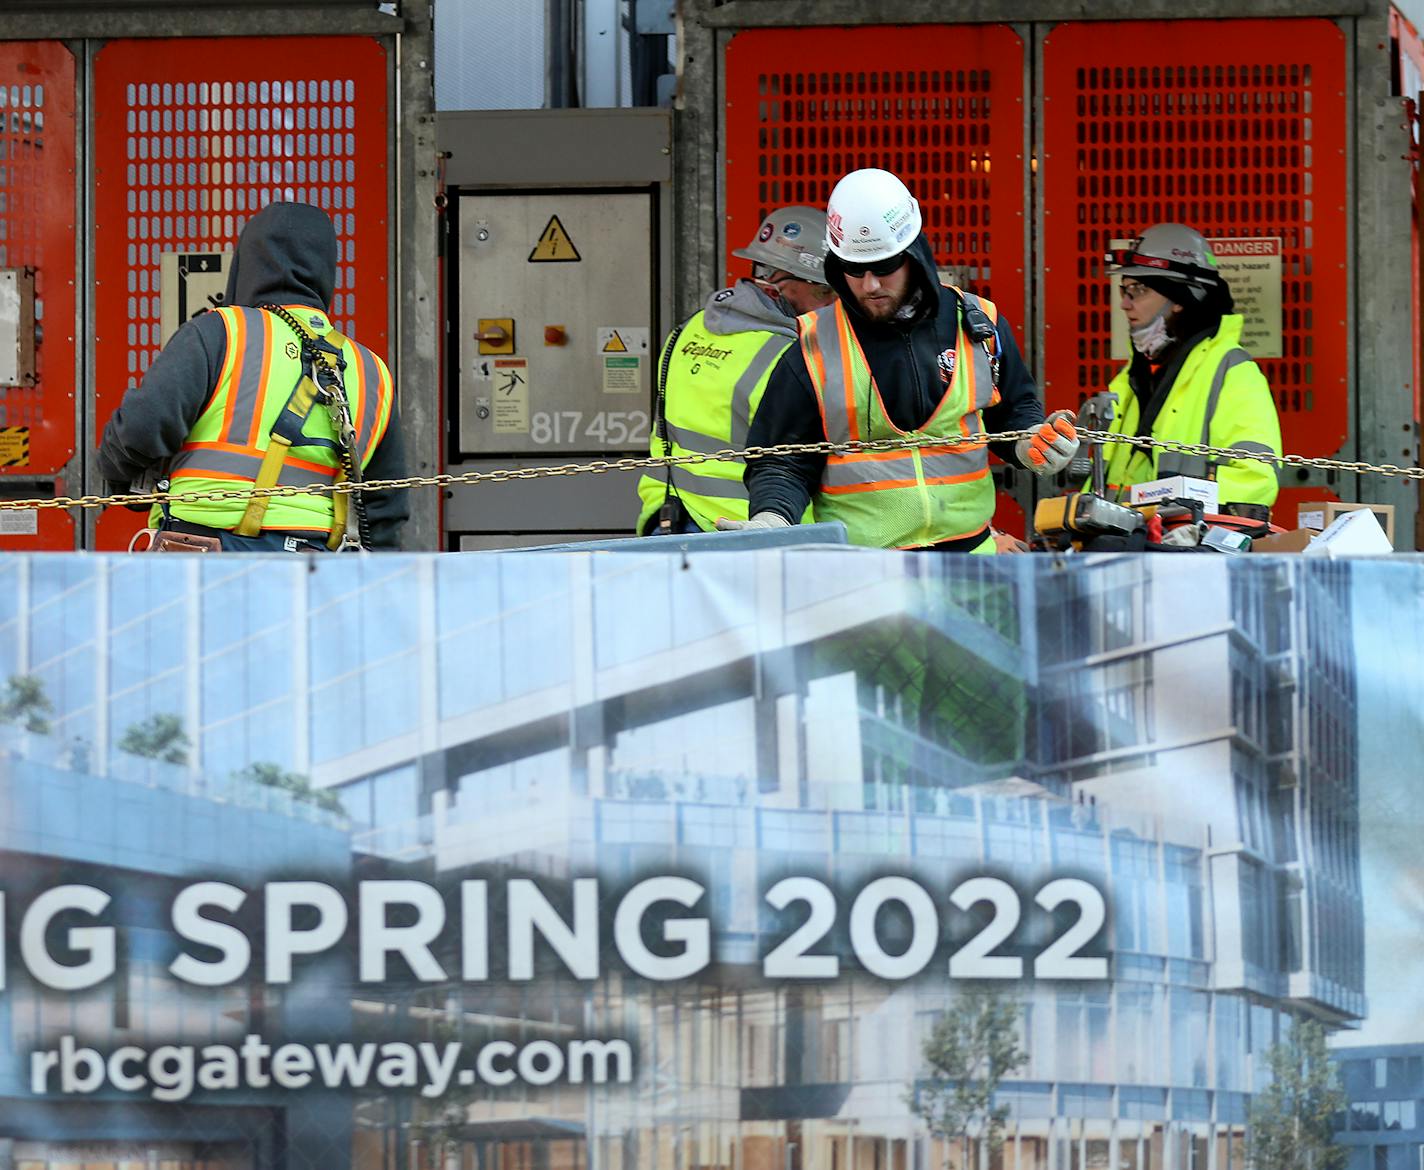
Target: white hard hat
{"x":792,"y":239}
{"x":871,"y":216}
{"x":1171,"y":251}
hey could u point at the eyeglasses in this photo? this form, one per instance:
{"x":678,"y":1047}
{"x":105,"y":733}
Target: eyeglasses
{"x":886,"y":267}
{"x":776,"y":277}
{"x":1132,"y":290}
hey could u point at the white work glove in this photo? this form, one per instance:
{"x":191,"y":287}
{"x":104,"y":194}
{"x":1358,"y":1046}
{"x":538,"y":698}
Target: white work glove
{"x":760,"y":520}
{"x":1053,"y":447}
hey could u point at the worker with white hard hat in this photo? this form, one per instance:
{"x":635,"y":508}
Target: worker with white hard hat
{"x":896,"y":355}
{"x":1189,"y":380}
{"x":714,"y":370}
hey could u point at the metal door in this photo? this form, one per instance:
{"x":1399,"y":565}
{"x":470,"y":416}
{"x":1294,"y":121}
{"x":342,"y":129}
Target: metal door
{"x":193,"y":136}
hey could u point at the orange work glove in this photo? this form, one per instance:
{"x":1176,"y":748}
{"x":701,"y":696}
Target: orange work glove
{"x":1052,"y":447}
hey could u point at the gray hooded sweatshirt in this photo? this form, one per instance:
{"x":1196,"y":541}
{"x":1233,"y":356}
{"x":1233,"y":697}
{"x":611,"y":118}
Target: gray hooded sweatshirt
{"x":286,"y":255}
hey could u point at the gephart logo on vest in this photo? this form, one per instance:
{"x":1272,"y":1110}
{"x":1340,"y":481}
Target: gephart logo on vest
{"x":699,"y":350}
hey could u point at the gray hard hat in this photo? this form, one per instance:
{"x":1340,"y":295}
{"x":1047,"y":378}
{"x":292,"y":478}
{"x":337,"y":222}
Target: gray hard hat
{"x":1170,"y":251}
{"x":792,"y":239}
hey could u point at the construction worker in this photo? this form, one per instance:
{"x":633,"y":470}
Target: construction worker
{"x":1189,"y":380}
{"x":896,"y":355}
{"x":253,"y":393}
{"x":714,"y":370}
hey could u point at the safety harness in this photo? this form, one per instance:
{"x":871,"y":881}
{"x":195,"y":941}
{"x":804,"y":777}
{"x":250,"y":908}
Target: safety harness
{"x":320,"y":383}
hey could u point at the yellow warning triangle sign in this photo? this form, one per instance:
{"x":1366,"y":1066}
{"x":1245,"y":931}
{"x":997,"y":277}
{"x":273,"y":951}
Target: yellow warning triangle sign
{"x":614,"y":344}
{"x":554,"y":246}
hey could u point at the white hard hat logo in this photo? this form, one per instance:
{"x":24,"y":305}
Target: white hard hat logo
{"x":765,"y":233}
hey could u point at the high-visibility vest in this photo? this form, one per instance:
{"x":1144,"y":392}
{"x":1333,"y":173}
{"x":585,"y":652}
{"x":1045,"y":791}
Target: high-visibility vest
{"x":261,"y":367}
{"x":1219,"y":397}
{"x":714,"y":384}
{"x":903,"y":498}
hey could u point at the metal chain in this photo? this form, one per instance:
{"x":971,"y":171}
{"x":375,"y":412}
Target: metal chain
{"x":600,"y":466}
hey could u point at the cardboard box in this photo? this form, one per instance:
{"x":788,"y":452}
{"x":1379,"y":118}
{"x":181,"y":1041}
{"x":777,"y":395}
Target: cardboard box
{"x":1355,"y":532}
{"x":1284,"y":542}
{"x":1319,"y":515}
{"x":1176,"y":487}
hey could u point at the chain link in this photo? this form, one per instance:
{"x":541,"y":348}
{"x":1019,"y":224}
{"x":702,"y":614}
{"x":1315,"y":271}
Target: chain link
{"x":601,"y":466}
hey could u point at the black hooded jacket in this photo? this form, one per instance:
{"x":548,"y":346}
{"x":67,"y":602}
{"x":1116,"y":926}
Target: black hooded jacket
{"x":903,"y":357}
{"x":286,"y":256}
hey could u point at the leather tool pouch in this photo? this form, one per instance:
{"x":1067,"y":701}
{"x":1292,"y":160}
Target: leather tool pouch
{"x":184,"y":542}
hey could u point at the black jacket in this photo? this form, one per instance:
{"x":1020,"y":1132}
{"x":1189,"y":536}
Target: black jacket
{"x":286,"y":256}
{"x":903,"y":357}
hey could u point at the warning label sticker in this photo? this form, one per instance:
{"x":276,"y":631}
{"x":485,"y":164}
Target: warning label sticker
{"x":14,"y":446}
{"x":554,"y":245}
{"x":622,"y":339}
{"x":622,"y":375}
{"x":19,"y":522}
{"x":510,"y":391}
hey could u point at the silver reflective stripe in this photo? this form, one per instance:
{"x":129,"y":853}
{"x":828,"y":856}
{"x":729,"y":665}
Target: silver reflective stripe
{"x":1248,"y":445}
{"x":1233,"y":358}
{"x":687,"y":480}
{"x":841,"y":473}
{"x":746,"y":385}
{"x":833,"y":392}
{"x":249,"y":383}
{"x":370,"y":397}
{"x":204,"y":460}
{"x":690,"y":440}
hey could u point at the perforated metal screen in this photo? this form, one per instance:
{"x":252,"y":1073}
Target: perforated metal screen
{"x":1237,"y":128}
{"x":37,"y":202}
{"x":194,"y":136}
{"x":939,"y":105}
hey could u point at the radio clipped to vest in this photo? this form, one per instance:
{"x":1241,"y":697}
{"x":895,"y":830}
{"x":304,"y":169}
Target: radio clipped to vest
{"x":978,"y":328}
{"x":320,"y":383}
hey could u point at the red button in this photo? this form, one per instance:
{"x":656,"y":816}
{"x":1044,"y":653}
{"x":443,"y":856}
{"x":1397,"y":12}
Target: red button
{"x":555,"y":335}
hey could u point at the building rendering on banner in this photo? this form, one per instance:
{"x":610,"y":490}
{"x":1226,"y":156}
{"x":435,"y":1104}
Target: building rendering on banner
{"x":1382,"y":1126}
{"x":1180,"y":734}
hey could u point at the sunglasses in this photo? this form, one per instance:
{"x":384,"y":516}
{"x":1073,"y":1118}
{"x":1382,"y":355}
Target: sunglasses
{"x":886,"y":267}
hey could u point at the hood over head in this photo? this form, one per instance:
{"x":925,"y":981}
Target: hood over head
{"x":745,"y":307}
{"x":926,"y":278}
{"x":285,"y":255}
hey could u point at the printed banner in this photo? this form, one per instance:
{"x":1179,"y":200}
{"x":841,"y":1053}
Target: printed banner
{"x":788,"y":860}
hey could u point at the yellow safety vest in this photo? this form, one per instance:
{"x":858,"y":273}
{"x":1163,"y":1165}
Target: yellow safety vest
{"x":261,"y":368}
{"x":714,"y":384}
{"x":1219,"y":397}
{"x":903,"y":498}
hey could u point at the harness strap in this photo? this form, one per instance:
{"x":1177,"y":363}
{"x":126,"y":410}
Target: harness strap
{"x":287,"y":432}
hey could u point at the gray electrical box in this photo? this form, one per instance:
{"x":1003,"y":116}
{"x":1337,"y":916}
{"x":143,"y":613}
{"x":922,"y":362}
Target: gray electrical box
{"x":556,"y":321}
{"x":558,"y":294}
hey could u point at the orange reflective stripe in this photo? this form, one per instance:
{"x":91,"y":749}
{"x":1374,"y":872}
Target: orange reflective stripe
{"x":849,"y":346}
{"x":808,"y":332}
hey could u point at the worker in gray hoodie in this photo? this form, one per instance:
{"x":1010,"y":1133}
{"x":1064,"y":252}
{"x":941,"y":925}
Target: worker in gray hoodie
{"x":715,"y":367}
{"x":264,"y":391}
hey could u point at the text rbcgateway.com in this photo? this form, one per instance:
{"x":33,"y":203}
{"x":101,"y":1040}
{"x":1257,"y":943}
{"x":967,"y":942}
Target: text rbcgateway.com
{"x":173,"y":1072}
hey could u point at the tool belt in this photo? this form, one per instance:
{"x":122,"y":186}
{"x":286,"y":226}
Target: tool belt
{"x":184,"y":536}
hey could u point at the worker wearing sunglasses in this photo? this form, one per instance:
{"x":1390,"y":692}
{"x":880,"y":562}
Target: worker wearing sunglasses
{"x":896,"y":355}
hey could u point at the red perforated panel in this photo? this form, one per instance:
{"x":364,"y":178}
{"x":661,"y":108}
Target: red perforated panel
{"x":1237,"y":128}
{"x":939,"y":105}
{"x":37,"y":232}
{"x":194,"y":136}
